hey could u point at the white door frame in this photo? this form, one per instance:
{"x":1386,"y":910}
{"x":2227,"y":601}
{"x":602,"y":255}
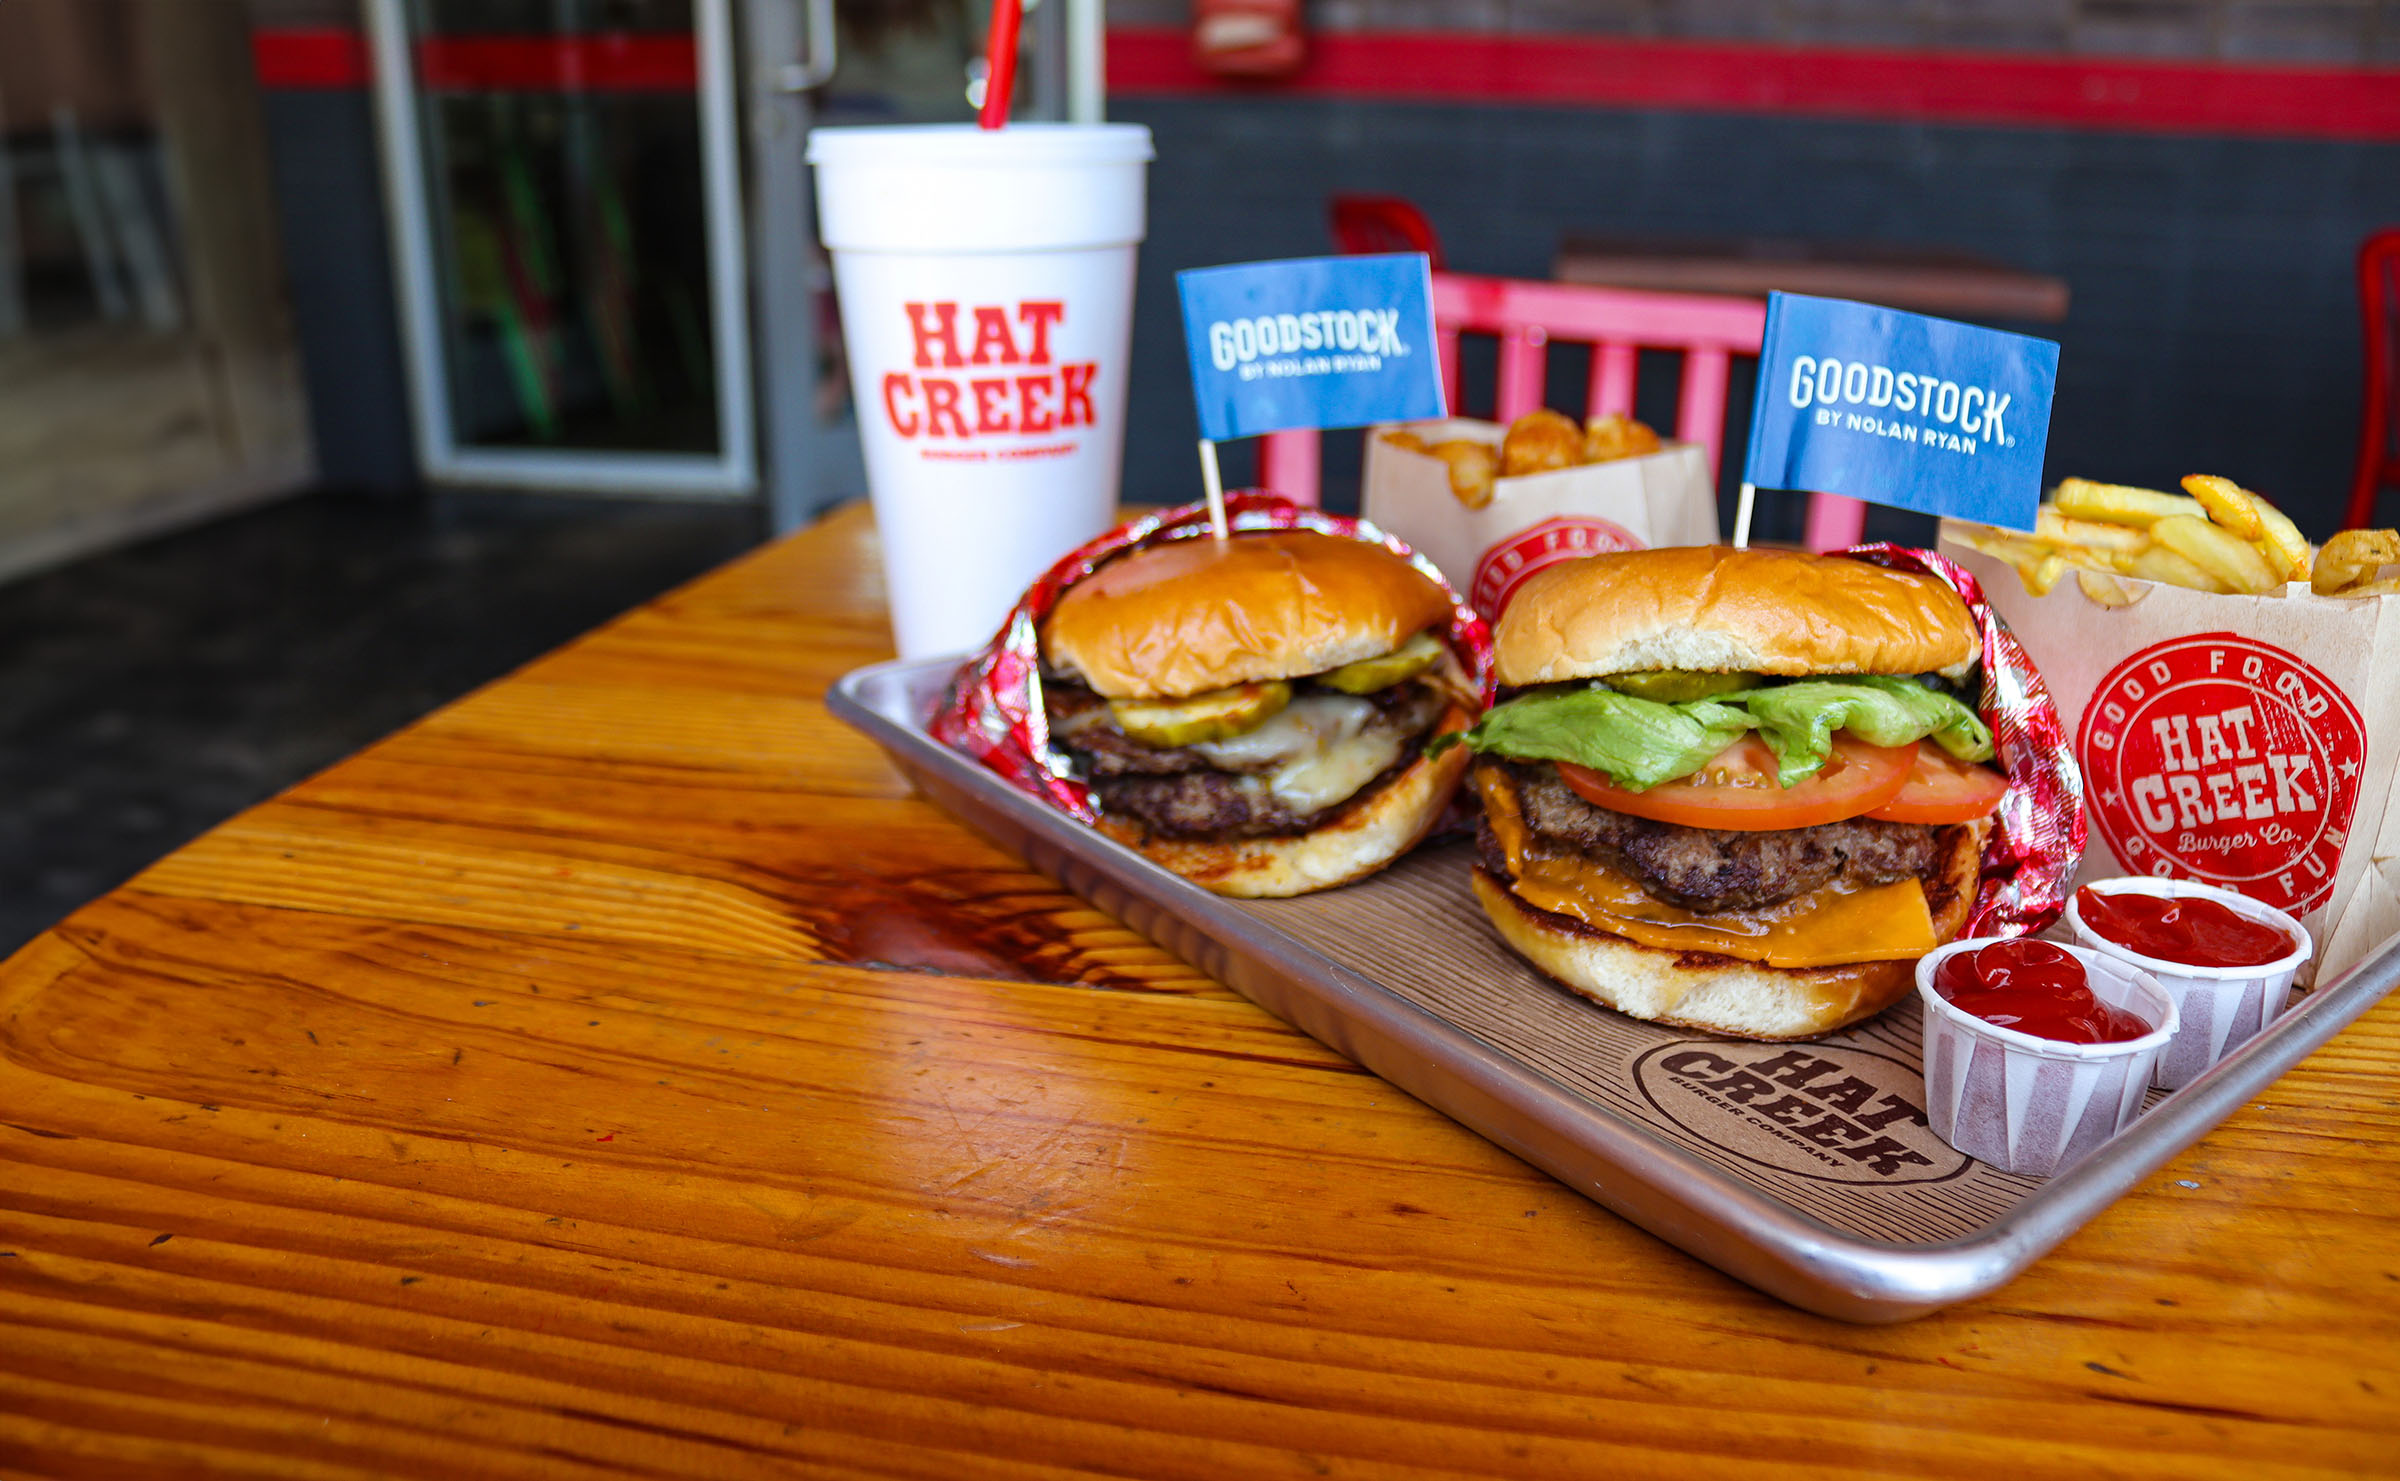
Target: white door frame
{"x":732,"y":472}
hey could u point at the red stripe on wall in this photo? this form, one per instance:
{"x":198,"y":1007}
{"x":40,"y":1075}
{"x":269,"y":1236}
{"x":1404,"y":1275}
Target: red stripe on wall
{"x":1935,"y":86}
{"x":309,"y":59}
{"x":338,"y":59}
{"x":559,"y":63}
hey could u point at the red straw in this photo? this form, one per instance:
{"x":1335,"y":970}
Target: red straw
{"x":1000,"y":62}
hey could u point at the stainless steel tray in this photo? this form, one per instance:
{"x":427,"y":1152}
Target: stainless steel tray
{"x":1401,"y":974}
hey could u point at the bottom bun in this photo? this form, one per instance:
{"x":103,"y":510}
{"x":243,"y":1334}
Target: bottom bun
{"x":1359,"y":840}
{"x":1724,"y":995}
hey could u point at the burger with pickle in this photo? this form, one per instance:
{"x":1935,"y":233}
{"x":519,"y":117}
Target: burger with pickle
{"x":1736,"y":790}
{"x":1253,"y":713}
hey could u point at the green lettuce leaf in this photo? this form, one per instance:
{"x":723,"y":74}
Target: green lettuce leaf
{"x":1799,"y":719}
{"x":1636,"y":743}
{"x":1639,"y":743}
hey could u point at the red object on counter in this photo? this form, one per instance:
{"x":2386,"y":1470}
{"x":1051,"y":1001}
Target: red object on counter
{"x":2193,"y":931}
{"x":2034,"y":988}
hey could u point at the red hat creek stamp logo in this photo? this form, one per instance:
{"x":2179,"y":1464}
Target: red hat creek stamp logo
{"x":2226,"y":760}
{"x":1509,"y":564}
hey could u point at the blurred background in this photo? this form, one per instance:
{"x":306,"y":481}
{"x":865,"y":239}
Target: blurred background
{"x":353,"y":352}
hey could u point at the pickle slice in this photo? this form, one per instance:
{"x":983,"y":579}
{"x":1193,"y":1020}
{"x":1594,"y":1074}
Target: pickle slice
{"x":1371,"y":674}
{"x":1674,"y":686}
{"x":1220,"y":714}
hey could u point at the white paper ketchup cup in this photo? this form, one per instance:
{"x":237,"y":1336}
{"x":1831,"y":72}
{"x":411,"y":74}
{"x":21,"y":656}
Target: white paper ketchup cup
{"x":2034,"y":1105}
{"x":2221,"y":1007}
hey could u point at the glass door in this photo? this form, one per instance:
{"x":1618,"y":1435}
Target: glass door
{"x":566,"y":216}
{"x":147,"y":373}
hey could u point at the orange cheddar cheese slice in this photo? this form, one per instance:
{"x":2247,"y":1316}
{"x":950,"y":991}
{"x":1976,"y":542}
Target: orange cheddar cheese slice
{"x":1823,"y":928}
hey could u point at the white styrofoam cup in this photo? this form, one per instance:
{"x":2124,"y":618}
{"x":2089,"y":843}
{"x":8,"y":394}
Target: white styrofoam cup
{"x":2221,"y":1008}
{"x":2032,"y":1105}
{"x":986,"y":287}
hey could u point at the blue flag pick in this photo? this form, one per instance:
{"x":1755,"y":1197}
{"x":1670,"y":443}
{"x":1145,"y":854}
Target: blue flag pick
{"x":1312,"y":342}
{"x":1899,"y":409}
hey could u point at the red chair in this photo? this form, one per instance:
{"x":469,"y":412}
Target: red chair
{"x":1618,"y":323}
{"x":2379,"y":304}
{"x":1364,"y":224}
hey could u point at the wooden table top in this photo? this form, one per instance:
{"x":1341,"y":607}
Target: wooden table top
{"x":1921,"y":280}
{"x":620,"y":1073}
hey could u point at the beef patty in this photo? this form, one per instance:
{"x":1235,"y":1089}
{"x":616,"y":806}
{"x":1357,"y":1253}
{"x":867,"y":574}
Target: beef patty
{"x":1080,"y":723}
{"x":1719,"y":869}
{"x":1217,"y":804}
{"x":1183,"y":793}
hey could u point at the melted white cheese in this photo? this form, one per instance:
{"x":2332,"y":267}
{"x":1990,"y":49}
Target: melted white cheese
{"x":1316,"y":739}
{"x":1309,"y":723}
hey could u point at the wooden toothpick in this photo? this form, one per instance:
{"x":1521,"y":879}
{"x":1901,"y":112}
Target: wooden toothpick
{"x":1214,"y":482}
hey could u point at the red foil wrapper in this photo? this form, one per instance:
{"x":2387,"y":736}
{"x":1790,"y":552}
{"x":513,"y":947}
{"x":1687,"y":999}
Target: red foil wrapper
{"x":994,"y":709}
{"x":2033,"y":851}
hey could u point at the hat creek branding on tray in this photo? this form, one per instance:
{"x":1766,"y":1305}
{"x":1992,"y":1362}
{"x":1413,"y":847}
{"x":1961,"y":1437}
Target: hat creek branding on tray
{"x":1818,"y":1111}
{"x":1313,"y":342}
{"x":1901,"y":409}
{"x":2226,"y":760}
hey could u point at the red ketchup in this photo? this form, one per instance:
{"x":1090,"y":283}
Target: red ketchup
{"x":2034,"y":988}
{"x":2193,"y":931}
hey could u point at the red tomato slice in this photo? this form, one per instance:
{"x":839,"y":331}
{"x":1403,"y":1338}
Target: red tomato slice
{"x":1737,"y":789}
{"x":1943,"y":789}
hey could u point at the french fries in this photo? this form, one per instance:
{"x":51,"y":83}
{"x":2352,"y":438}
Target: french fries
{"x":2091,"y":534}
{"x":1608,"y":438}
{"x":2108,"y":591}
{"x":2218,"y":551}
{"x":2350,"y":561}
{"x":1538,"y":442}
{"x":2215,"y":536}
{"x":2227,"y":503}
{"x":2283,"y":543}
{"x":2115,"y":503}
{"x":2158,"y":563}
{"x":1473,"y":465}
{"x":2043,"y":574}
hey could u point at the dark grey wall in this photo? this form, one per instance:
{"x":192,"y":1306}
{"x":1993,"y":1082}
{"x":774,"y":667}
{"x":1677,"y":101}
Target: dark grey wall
{"x":337,"y":266}
{"x":2215,"y":325}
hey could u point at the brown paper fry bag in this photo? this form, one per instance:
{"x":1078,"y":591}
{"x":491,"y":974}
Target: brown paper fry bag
{"x":1535,"y":520}
{"x":2246,"y":741}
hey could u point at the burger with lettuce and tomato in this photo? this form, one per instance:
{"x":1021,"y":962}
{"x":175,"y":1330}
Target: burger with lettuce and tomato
{"x":1735,"y":790}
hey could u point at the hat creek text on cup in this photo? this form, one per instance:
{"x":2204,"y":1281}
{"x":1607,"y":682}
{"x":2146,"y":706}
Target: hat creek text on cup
{"x":1023,"y":391}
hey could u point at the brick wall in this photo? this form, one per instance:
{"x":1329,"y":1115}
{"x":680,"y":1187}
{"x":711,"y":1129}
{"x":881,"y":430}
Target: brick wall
{"x":2360,"y":32}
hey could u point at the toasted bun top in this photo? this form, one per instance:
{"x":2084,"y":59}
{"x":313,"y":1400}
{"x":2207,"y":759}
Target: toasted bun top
{"x":1720,"y":610}
{"x":1199,"y":614}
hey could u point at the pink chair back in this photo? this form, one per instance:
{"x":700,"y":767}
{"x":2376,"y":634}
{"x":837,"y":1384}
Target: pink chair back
{"x":1618,"y":323}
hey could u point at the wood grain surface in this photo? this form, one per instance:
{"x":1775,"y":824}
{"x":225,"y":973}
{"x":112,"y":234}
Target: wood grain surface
{"x":619,"y":1073}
